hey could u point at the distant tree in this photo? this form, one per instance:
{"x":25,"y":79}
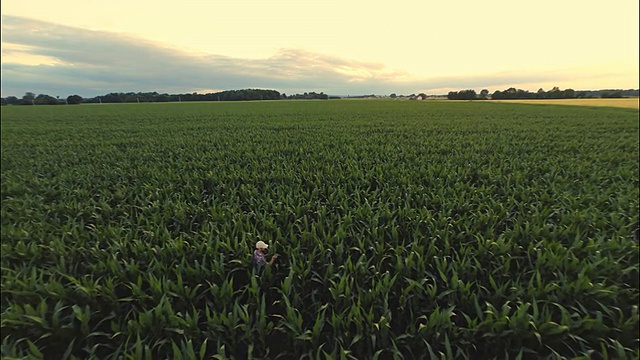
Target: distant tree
{"x":484,"y":93}
{"x":462,"y":95}
{"x":310,"y":95}
{"x":524,"y":94}
{"x":510,"y":93}
{"x":28,"y":99}
{"x":74,"y":99}
{"x":44,"y":99}
{"x":162,"y":98}
{"x":12,"y":100}
{"x":4,"y":102}
{"x":93,"y":100}
{"x":611,"y":94}
{"x":393,"y":95}
{"x":469,"y":94}
{"x":112,"y":98}
{"x":554,"y":93}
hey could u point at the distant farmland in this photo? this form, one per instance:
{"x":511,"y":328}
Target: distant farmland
{"x":405,"y":229}
{"x":631,"y":103}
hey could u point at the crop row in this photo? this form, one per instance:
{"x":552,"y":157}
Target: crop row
{"x":406,"y":230}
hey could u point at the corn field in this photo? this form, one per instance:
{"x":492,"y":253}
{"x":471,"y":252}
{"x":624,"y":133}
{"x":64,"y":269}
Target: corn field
{"x":406,"y":230}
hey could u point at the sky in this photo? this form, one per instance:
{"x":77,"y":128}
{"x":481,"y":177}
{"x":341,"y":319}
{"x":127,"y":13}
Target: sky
{"x":350,"y":47}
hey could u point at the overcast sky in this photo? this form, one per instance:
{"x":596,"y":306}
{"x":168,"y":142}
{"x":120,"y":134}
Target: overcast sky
{"x":338,"y":47}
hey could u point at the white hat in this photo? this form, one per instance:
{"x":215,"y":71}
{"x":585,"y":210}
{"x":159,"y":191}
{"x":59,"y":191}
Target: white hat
{"x":261,"y":245}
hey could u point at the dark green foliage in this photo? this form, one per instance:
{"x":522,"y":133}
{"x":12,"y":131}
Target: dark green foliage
{"x":406,"y":230}
{"x":12,"y":100}
{"x":74,"y":99}
{"x":309,"y":96}
{"x":43,"y":99}
{"x":612,"y":94}
{"x":554,"y":93}
{"x":228,"y":95}
{"x":462,"y":95}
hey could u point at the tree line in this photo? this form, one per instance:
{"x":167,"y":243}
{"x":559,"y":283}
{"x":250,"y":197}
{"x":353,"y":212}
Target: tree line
{"x":42,"y":99}
{"x":30,"y":98}
{"x":554,"y":93}
{"x":132,"y":97}
{"x":310,"y":95}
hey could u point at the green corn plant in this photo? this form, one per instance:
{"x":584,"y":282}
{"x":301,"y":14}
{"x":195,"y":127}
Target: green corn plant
{"x":523,"y":217}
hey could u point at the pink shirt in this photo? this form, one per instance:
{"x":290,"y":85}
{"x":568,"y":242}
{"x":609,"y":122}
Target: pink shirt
{"x":258,"y":258}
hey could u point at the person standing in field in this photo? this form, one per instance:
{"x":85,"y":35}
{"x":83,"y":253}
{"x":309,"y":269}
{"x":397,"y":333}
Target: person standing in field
{"x":259,"y":256}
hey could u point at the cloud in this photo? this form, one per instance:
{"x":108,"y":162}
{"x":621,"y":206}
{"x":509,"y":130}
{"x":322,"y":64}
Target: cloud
{"x":50,"y":58}
{"x":44,"y":57}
